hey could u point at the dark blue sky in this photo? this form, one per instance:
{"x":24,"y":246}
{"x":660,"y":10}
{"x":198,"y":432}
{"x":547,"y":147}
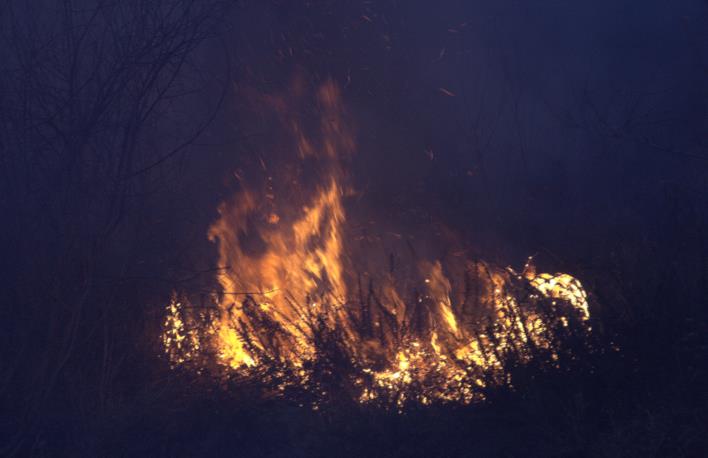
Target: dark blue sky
{"x":569,"y":120}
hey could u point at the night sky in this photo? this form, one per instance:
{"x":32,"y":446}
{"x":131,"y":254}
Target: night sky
{"x":563,"y":115}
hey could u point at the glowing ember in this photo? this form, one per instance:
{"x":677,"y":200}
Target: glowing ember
{"x":294,"y":311}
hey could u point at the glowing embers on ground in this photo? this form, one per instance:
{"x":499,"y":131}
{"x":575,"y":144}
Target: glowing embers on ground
{"x":295,"y":311}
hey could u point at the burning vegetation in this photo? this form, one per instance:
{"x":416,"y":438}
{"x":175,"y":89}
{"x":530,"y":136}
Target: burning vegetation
{"x":297,"y":310}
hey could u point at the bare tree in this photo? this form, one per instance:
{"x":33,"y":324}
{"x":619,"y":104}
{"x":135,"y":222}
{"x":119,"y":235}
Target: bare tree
{"x":82,"y":83}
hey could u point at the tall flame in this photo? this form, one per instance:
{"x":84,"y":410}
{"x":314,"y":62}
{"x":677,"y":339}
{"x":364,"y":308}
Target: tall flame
{"x":289,"y":290}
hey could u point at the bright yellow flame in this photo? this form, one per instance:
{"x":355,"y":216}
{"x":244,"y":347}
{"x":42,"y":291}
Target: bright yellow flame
{"x":288,"y":284}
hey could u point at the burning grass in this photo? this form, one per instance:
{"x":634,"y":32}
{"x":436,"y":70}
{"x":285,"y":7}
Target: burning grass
{"x":296,"y":311}
{"x":438,"y":351}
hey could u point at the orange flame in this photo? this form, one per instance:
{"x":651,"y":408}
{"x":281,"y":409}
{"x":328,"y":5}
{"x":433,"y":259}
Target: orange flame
{"x":287,"y":282}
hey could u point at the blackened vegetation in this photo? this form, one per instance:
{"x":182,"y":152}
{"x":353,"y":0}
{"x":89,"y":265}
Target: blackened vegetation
{"x":338,"y":372}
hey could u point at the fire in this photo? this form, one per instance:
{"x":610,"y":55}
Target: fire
{"x":293,"y":306}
